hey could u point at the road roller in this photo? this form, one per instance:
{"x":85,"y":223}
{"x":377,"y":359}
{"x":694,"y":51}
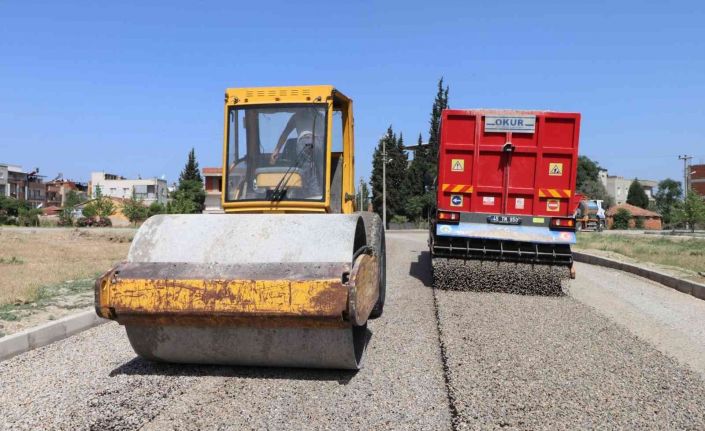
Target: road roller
{"x":288,"y":275}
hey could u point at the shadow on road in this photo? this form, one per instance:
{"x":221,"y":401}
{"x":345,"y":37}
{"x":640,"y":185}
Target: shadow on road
{"x":421,"y":269}
{"x":142,"y":367}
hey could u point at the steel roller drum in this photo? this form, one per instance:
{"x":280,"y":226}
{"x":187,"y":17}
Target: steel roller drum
{"x":259,"y":242}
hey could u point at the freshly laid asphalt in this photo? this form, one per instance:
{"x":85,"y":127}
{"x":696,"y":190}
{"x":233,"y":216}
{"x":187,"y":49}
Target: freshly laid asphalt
{"x":615,"y":352}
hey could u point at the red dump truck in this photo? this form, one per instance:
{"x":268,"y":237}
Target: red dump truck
{"x":505,"y":185}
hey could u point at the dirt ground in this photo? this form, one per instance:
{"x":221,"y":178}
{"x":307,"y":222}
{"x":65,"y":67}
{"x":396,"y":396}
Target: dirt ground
{"x":685,"y":256}
{"x":46,"y":273}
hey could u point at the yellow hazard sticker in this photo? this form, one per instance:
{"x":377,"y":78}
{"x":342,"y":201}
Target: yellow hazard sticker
{"x":555,"y":169}
{"x":553,"y":205}
{"x":538,"y":220}
{"x":457,"y":165}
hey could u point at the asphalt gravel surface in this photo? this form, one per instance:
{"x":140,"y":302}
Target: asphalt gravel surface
{"x":437,"y":359}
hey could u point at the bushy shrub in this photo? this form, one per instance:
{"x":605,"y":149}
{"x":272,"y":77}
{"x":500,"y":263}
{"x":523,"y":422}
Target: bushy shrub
{"x":28,"y":217}
{"x":83,"y":222}
{"x":621,"y":219}
{"x":102,"y":222}
{"x":639,"y":223}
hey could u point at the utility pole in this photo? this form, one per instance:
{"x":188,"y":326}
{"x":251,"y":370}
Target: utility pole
{"x":384,"y":184}
{"x":686,"y":173}
{"x":361,"y":197}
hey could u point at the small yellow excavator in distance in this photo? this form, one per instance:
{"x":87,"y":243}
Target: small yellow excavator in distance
{"x":289,"y":275}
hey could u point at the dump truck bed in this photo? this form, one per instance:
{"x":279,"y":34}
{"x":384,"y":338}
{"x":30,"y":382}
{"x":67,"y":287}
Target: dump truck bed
{"x":506,"y":179}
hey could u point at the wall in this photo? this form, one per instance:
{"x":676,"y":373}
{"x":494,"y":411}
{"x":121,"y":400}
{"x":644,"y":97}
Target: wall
{"x":4,"y":189}
{"x":618,"y":188}
{"x":650,"y":223}
{"x":150,"y":190}
{"x":697,"y":178}
{"x":212,"y":185}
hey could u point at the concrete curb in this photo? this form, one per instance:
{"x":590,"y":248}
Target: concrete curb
{"x":15,"y":344}
{"x":690,"y":287}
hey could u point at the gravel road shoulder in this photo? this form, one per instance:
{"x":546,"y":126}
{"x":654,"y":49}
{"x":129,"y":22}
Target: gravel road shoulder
{"x":671,"y":321}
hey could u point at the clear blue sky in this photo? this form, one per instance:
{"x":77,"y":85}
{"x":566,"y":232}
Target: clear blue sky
{"x":129,"y":87}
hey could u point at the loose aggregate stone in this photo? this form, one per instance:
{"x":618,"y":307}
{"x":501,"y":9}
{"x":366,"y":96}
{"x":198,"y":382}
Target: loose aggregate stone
{"x":537,"y":362}
{"x":491,"y":276}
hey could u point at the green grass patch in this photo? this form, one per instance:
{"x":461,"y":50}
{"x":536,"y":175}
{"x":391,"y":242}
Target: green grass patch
{"x":688,"y":254}
{"x":46,"y":296}
{"x":12,"y":260}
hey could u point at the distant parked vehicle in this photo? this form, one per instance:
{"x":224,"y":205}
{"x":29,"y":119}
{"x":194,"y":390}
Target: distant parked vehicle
{"x":589,"y":214}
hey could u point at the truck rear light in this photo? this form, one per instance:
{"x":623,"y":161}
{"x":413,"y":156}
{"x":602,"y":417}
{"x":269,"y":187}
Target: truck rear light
{"x":448,"y":217}
{"x":562,"y":223}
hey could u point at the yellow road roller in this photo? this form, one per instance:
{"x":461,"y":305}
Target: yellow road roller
{"x":289,"y":275}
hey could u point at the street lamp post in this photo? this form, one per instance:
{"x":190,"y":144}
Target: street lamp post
{"x":362,"y":182}
{"x":384,"y":185}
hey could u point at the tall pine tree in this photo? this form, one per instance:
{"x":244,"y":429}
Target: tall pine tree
{"x":424,"y":168}
{"x":191,"y":171}
{"x":637,"y":196}
{"x":439,"y":104}
{"x":189,"y":195}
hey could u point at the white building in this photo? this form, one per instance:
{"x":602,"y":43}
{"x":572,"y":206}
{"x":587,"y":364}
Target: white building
{"x":618,"y":187}
{"x":149,"y":190}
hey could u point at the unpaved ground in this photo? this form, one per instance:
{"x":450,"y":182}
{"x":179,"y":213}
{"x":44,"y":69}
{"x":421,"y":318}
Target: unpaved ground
{"x":666,"y":269}
{"x":33,"y":314}
{"x":46,"y":273}
{"x":682,"y":257}
{"x":502,"y":361}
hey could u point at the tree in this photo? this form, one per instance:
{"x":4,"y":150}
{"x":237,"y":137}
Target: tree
{"x":72,"y":199}
{"x":188,"y":198}
{"x":191,"y":171}
{"x":101,"y":206}
{"x":668,"y":198}
{"x":621,"y":219}
{"x":10,"y":208}
{"x":134,"y":209}
{"x":156,"y":208}
{"x":637,"y":196}
{"x":28,"y":216}
{"x":397,"y":161}
{"x":439,"y":104}
{"x":66,"y":215}
{"x":692,"y":211}
{"x":424,"y":167}
{"x":189,"y":195}
{"x":588,"y":181}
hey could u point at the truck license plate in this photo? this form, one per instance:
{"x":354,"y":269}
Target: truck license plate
{"x":496,"y":219}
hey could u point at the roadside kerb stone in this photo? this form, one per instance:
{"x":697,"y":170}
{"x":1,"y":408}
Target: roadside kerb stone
{"x":15,"y":344}
{"x":686,"y":286}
